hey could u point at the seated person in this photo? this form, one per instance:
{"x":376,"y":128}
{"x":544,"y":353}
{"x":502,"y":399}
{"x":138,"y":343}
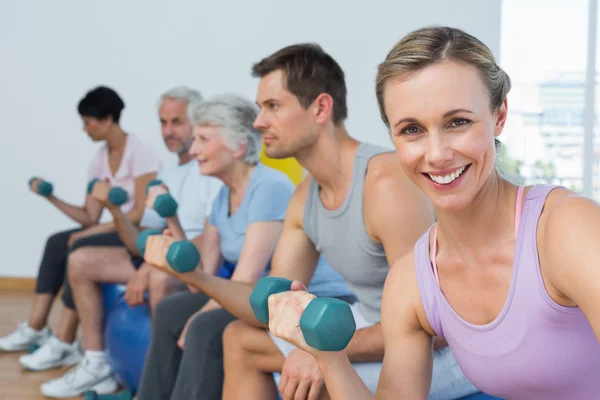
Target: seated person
{"x":125,"y":161}
{"x":347,"y":211}
{"x":244,"y":226}
{"x":508,"y":275}
{"x":90,"y":266}
{"x":244,"y":223}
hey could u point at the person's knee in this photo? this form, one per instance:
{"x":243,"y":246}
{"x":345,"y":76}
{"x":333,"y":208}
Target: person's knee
{"x":233,"y":343}
{"x":78,"y":265}
{"x":167,"y":317}
{"x":160,"y":284}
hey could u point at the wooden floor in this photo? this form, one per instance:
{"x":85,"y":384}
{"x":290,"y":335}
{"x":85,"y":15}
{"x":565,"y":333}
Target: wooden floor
{"x":15,"y":383}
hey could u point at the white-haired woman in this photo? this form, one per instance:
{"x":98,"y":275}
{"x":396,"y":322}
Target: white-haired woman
{"x":242,"y":230}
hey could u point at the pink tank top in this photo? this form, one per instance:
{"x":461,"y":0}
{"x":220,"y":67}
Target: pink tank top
{"x":535,"y":348}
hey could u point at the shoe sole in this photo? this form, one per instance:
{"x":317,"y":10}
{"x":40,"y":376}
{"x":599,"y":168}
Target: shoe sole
{"x":62,"y":364}
{"x":103,"y":387}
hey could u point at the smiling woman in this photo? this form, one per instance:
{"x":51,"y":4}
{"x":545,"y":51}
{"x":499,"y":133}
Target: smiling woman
{"x":508,"y":275}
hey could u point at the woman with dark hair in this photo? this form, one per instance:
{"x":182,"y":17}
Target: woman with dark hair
{"x":123,"y":160}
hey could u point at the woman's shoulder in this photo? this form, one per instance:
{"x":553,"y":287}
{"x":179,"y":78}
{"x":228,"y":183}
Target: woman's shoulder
{"x":268,"y":177}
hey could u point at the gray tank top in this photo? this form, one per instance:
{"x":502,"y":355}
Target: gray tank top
{"x":342,"y":239}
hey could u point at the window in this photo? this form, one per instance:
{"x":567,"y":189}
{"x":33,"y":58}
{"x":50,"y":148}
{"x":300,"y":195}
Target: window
{"x":546,"y":60}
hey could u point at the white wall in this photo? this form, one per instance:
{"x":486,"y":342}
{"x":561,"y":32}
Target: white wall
{"x":52,"y":52}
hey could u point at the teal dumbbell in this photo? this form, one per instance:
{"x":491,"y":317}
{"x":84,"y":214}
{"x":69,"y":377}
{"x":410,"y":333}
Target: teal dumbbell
{"x":91,"y":184}
{"x":165,"y":205}
{"x":44,"y":188}
{"x":140,"y":242}
{"x":327,"y":324}
{"x":124,"y":395}
{"x":183,"y":256}
{"x":153,"y":182}
{"x":117,"y":196}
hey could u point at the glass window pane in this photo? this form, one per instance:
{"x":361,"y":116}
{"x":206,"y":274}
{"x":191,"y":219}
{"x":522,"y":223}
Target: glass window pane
{"x":543,"y":49}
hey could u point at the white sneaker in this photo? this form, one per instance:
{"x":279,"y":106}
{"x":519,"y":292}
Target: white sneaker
{"x":80,"y":379}
{"x":24,"y":337}
{"x":52,"y":354}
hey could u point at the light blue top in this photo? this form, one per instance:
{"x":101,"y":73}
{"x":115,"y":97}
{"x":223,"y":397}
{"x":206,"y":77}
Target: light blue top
{"x":266,"y":199}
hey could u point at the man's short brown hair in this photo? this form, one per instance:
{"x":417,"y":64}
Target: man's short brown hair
{"x":309,"y":71}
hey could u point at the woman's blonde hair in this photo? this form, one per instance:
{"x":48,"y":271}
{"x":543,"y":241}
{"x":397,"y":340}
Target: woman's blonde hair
{"x":426,"y":46}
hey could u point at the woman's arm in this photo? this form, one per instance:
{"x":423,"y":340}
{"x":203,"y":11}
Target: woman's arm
{"x":407,"y":364}
{"x":86,"y":216}
{"x":209,"y":245}
{"x":569,"y":252}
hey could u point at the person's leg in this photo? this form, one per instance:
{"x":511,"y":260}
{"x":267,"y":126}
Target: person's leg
{"x":50,"y":278}
{"x":63,"y":350}
{"x":87,"y":267}
{"x":164,"y":356}
{"x":160,"y":286}
{"x":250,"y":358}
{"x":201,"y":371}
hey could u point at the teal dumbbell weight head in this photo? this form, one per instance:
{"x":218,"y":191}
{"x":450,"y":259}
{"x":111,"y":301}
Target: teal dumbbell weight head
{"x":44,"y":188}
{"x":140,"y":242}
{"x":183,"y":256}
{"x":327,"y":324}
{"x":91,"y":184}
{"x":153,"y":182}
{"x":117,"y":196}
{"x":165,"y":205}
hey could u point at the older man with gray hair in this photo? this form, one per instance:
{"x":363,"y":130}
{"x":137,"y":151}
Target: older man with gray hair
{"x":88,"y":267}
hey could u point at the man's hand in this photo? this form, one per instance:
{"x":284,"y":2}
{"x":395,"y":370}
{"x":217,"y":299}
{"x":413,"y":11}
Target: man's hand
{"x":154,"y":192}
{"x":301,"y":377}
{"x":137,"y":286}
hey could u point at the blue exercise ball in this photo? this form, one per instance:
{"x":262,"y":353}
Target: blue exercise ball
{"x":127,"y":335}
{"x":111,"y":294}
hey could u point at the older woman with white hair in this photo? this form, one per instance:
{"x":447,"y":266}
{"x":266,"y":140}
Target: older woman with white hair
{"x":237,"y":243}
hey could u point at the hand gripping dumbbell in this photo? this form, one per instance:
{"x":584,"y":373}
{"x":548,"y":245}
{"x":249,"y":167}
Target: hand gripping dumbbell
{"x":164,"y":204}
{"x":44,"y":188}
{"x":327,"y":323}
{"x":116,"y":196}
{"x":140,"y":242}
{"x":183,"y":256}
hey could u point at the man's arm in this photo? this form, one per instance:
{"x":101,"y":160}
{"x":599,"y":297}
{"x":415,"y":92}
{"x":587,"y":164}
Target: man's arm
{"x":295,"y":258}
{"x":136,"y":213}
{"x":396,"y":214}
{"x":127,"y":231}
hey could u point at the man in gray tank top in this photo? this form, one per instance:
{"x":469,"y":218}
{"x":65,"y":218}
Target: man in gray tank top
{"x":357,"y":209}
